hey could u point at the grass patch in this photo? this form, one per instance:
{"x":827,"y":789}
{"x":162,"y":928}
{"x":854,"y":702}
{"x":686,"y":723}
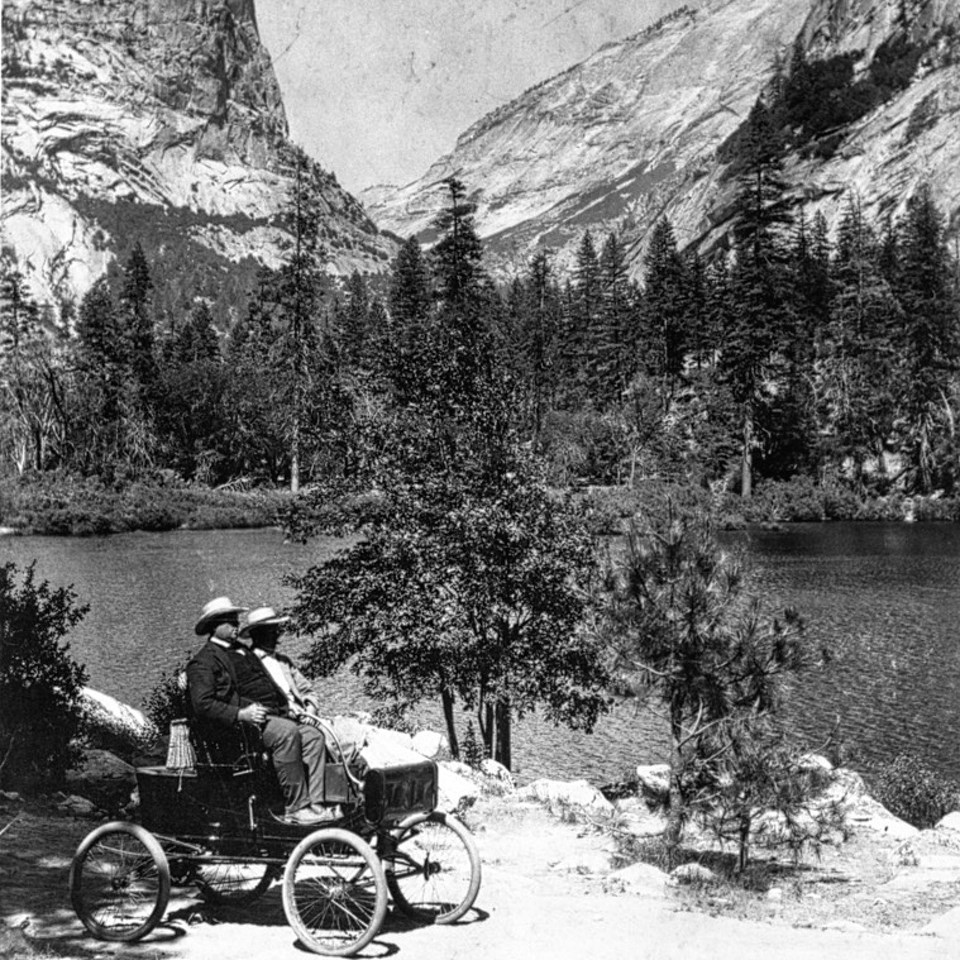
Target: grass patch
{"x":69,"y":506}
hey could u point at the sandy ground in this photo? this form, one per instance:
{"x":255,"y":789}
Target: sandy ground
{"x":538,"y":900}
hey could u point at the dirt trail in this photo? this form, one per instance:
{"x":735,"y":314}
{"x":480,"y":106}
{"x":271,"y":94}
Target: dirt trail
{"x":535,"y":903}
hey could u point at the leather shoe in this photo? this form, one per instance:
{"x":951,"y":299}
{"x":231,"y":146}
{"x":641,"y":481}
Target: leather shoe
{"x":303,"y":817}
{"x":325,"y":813}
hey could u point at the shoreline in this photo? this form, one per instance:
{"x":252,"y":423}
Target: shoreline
{"x":83,"y":508}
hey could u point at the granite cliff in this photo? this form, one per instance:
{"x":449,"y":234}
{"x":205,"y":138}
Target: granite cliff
{"x":161,"y":119}
{"x":638,"y":130}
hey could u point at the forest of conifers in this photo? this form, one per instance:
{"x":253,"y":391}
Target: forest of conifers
{"x":790,"y":353}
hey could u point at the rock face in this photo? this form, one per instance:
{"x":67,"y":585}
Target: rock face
{"x":632,"y":133}
{"x":148,"y":113}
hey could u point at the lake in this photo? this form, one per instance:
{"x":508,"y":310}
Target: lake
{"x":885,"y":594}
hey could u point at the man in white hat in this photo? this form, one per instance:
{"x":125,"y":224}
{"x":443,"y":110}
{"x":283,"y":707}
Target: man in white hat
{"x":264,"y":627}
{"x":229,"y":685}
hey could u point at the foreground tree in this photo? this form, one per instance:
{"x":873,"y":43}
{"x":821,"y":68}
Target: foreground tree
{"x":682,"y":630}
{"x":465,"y":592}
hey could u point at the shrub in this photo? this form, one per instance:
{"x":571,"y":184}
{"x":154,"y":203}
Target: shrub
{"x":472,"y":752}
{"x":40,"y":683}
{"x":911,"y":790}
{"x":168,"y":699}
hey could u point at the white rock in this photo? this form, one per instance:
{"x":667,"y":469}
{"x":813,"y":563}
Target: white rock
{"x":815,"y":762}
{"x":497,"y":771}
{"x":869,"y":814}
{"x":639,"y":879}
{"x":654,"y":779}
{"x":458,"y":766}
{"x":429,"y":743}
{"x":454,"y":789}
{"x":106,"y":715}
{"x":950,"y":822}
{"x":692,"y":873}
{"x":573,"y":793}
{"x":634,"y":818}
{"x":78,"y":806}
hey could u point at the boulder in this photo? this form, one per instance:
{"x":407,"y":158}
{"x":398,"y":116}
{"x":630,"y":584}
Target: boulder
{"x":115,"y":726}
{"x":950,"y":822}
{"x":691,"y":873}
{"x":78,"y":806}
{"x":654,"y":781}
{"x":104,"y":778}
{"x":867,"y":813}
{"x":429,"y":743}
{"x":494,"y":770}
{"x":455,"y":790}
{"x":567,"y":793}
{"x":639,"y":880}
{"x":637,"y":820}
{"x":815,"y":762}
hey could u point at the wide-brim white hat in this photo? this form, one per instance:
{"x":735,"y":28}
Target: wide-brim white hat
{"x":262,"y":617}
{"x":214,"y":610}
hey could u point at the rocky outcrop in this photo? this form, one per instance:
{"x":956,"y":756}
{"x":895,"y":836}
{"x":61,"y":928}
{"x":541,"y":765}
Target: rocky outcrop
{"x":157,"y":110}
{"x":632,"y":134}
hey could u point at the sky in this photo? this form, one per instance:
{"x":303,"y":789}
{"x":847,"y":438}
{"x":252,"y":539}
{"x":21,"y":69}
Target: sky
{"x":376,"y":90}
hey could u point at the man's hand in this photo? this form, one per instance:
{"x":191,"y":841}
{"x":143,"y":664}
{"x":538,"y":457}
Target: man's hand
{"x":254,"y":713}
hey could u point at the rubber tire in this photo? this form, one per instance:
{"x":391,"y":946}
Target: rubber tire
{"x":293,"y":910}
{"x":442,"y":821}
{"x":77,"y":884}
{"x":215,"y":895}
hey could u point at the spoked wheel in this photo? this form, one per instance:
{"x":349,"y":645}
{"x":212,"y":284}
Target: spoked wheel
{"x":433,"y":868}
{"x":120,"y":882}
{"x":231,"y":883}
{"x":334,"y":892}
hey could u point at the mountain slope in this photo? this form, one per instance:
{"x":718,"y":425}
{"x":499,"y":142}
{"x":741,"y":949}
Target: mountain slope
{"x":160,"y":119}
{"x":633,"y":133}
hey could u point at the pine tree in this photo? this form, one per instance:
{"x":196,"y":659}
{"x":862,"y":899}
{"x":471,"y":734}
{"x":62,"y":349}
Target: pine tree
{"x":134,"y":312}
{"x":456,"y":257}
{"x":299,"y":290}
{"x":931,"y":342}
{"x":582,"y":335}
{"x":616,"y":339}
{"x":665,"y":304}
{"x":753,"y":341}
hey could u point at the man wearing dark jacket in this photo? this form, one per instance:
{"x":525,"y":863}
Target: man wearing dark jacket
{"x":228,"y":685}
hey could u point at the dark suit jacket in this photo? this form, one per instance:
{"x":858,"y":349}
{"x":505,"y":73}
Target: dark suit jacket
{"x":215,"y":701}
{"x":212,"y":686}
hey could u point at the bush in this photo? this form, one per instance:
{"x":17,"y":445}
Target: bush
{"x":914,"y":792}
{"x":40,"y":684}
{"x":168,"y":699}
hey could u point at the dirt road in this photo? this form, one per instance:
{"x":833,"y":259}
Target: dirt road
{"x":537,"y":901}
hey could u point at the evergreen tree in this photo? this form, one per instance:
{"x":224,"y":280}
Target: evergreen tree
{"x":752,"y":344}
{"x":456,"y":257}
{"x":858,"y":368}
{"x":581,"y":336}
{"x":616,"y":339}
{"x":536,"y":317}
{"x":931,"y":343}
{"x":299,"y":291}
{"x":134,"y":311}
{"x":665,"y":302}
{"x":409,"y":307}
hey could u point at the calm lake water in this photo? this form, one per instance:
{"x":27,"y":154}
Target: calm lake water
{"x":886,"y":594}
